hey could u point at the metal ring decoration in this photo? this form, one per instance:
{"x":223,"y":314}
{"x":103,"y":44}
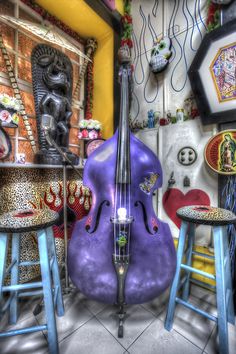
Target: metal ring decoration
{"x":187,"y":155}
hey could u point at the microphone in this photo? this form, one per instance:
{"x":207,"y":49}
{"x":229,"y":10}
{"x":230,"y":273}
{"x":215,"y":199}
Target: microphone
{"x":47,"y":124}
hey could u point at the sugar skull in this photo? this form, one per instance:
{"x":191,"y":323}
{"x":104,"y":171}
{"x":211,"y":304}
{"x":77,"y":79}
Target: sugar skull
{"x":160,"y":55}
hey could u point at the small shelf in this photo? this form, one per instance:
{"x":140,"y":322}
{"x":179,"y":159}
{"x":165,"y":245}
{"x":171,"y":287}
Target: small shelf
{"x":31,"y":165}
{"x":145,"y":130}
{"x":126,"y":221}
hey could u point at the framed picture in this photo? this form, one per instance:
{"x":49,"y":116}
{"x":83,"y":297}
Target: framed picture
{"x":212,"y":75}
{"x":5,"y":144}
{"x":220,"y":152}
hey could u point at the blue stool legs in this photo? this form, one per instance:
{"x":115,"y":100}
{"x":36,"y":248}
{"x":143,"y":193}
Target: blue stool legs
{"x":47,"y":292}
{"x":174,"y":287}
{"x":15,"y":258}
{"x":3,"y":257}
{"x":189,"y":257}
{"x":224,"y":295}
{"x":223,"y":286}
{"x":55,"y":274}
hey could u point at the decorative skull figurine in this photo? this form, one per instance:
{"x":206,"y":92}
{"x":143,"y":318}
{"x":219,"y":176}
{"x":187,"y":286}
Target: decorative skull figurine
{"x":160,"y":54}
{"x":124,"y":55}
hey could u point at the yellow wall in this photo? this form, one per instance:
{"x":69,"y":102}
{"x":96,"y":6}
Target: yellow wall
{"x":82,"y":19}
{"x":120,"y":6}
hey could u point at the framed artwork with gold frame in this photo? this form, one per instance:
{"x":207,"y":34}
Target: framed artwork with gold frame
{"x":220,"y":152}
{"x":212,"y":75}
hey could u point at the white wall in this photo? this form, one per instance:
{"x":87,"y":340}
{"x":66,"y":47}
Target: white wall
{"x":183,"y":21}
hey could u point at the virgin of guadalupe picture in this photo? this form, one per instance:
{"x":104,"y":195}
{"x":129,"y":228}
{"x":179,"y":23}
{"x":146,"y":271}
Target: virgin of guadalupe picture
{"x":227,"y":158}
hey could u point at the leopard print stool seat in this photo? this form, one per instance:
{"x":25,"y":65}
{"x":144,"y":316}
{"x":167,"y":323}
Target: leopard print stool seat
{"x":207,"y":215}
{"x":27,"y":220}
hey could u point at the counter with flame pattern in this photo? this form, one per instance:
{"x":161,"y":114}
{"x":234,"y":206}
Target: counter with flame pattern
{"x":42,"y":188}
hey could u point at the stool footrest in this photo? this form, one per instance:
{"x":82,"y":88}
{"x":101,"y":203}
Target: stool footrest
{"x":194,"y":270}
{"x":9,"y":268}
{"x":18,"y":287}
{"x":204,"y":285}
{"x":29,"y":263}
{"x":195,"y":309}
{"x":31,"y":293}
{"x":23,"y":331}
{"x":7,"y":304}
{"x":182,"y":281}
{"x":200,"y":254}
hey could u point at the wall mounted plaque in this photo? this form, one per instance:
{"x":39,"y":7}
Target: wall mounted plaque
{"x":220,"y":152}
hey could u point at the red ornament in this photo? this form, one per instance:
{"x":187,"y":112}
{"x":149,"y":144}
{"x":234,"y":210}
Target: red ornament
{"x":84,"y":133}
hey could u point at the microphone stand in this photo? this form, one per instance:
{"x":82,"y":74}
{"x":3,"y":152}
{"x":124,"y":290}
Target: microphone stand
{"x":67,"y":288}
{"x":65,"y":161}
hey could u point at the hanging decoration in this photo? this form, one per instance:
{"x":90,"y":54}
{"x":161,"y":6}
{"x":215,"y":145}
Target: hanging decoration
{"x":127,"y":24}
{"x":17,"y":93}
{"x":213,"y":15}
{"x":160,"y":54}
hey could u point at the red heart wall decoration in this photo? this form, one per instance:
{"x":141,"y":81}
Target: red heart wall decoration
{"x":173,"y":199}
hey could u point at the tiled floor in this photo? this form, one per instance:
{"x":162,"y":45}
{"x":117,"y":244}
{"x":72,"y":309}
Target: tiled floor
{"x":89,"y":327}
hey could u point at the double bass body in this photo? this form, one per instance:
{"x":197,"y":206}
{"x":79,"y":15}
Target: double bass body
{"x":152,"y":254}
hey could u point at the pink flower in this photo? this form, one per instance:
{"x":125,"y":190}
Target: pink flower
{"x":84,"y":133}
{"x":5,"y":116}
{"x":93,"y":134}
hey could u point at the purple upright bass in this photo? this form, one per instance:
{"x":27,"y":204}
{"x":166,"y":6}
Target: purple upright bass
{"x":121,"y":252}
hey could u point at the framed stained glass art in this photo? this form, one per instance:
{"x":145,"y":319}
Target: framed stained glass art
{"x":212,"y":75}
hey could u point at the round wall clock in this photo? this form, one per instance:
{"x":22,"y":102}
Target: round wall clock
{"x":93,"y":145}
{"x":5,"y":144}
{"x":220,"y":152}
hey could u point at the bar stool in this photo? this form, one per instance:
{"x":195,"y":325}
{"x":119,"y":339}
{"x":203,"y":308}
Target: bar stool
{"x":218,"y":219}
{"x":41,"y":221}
